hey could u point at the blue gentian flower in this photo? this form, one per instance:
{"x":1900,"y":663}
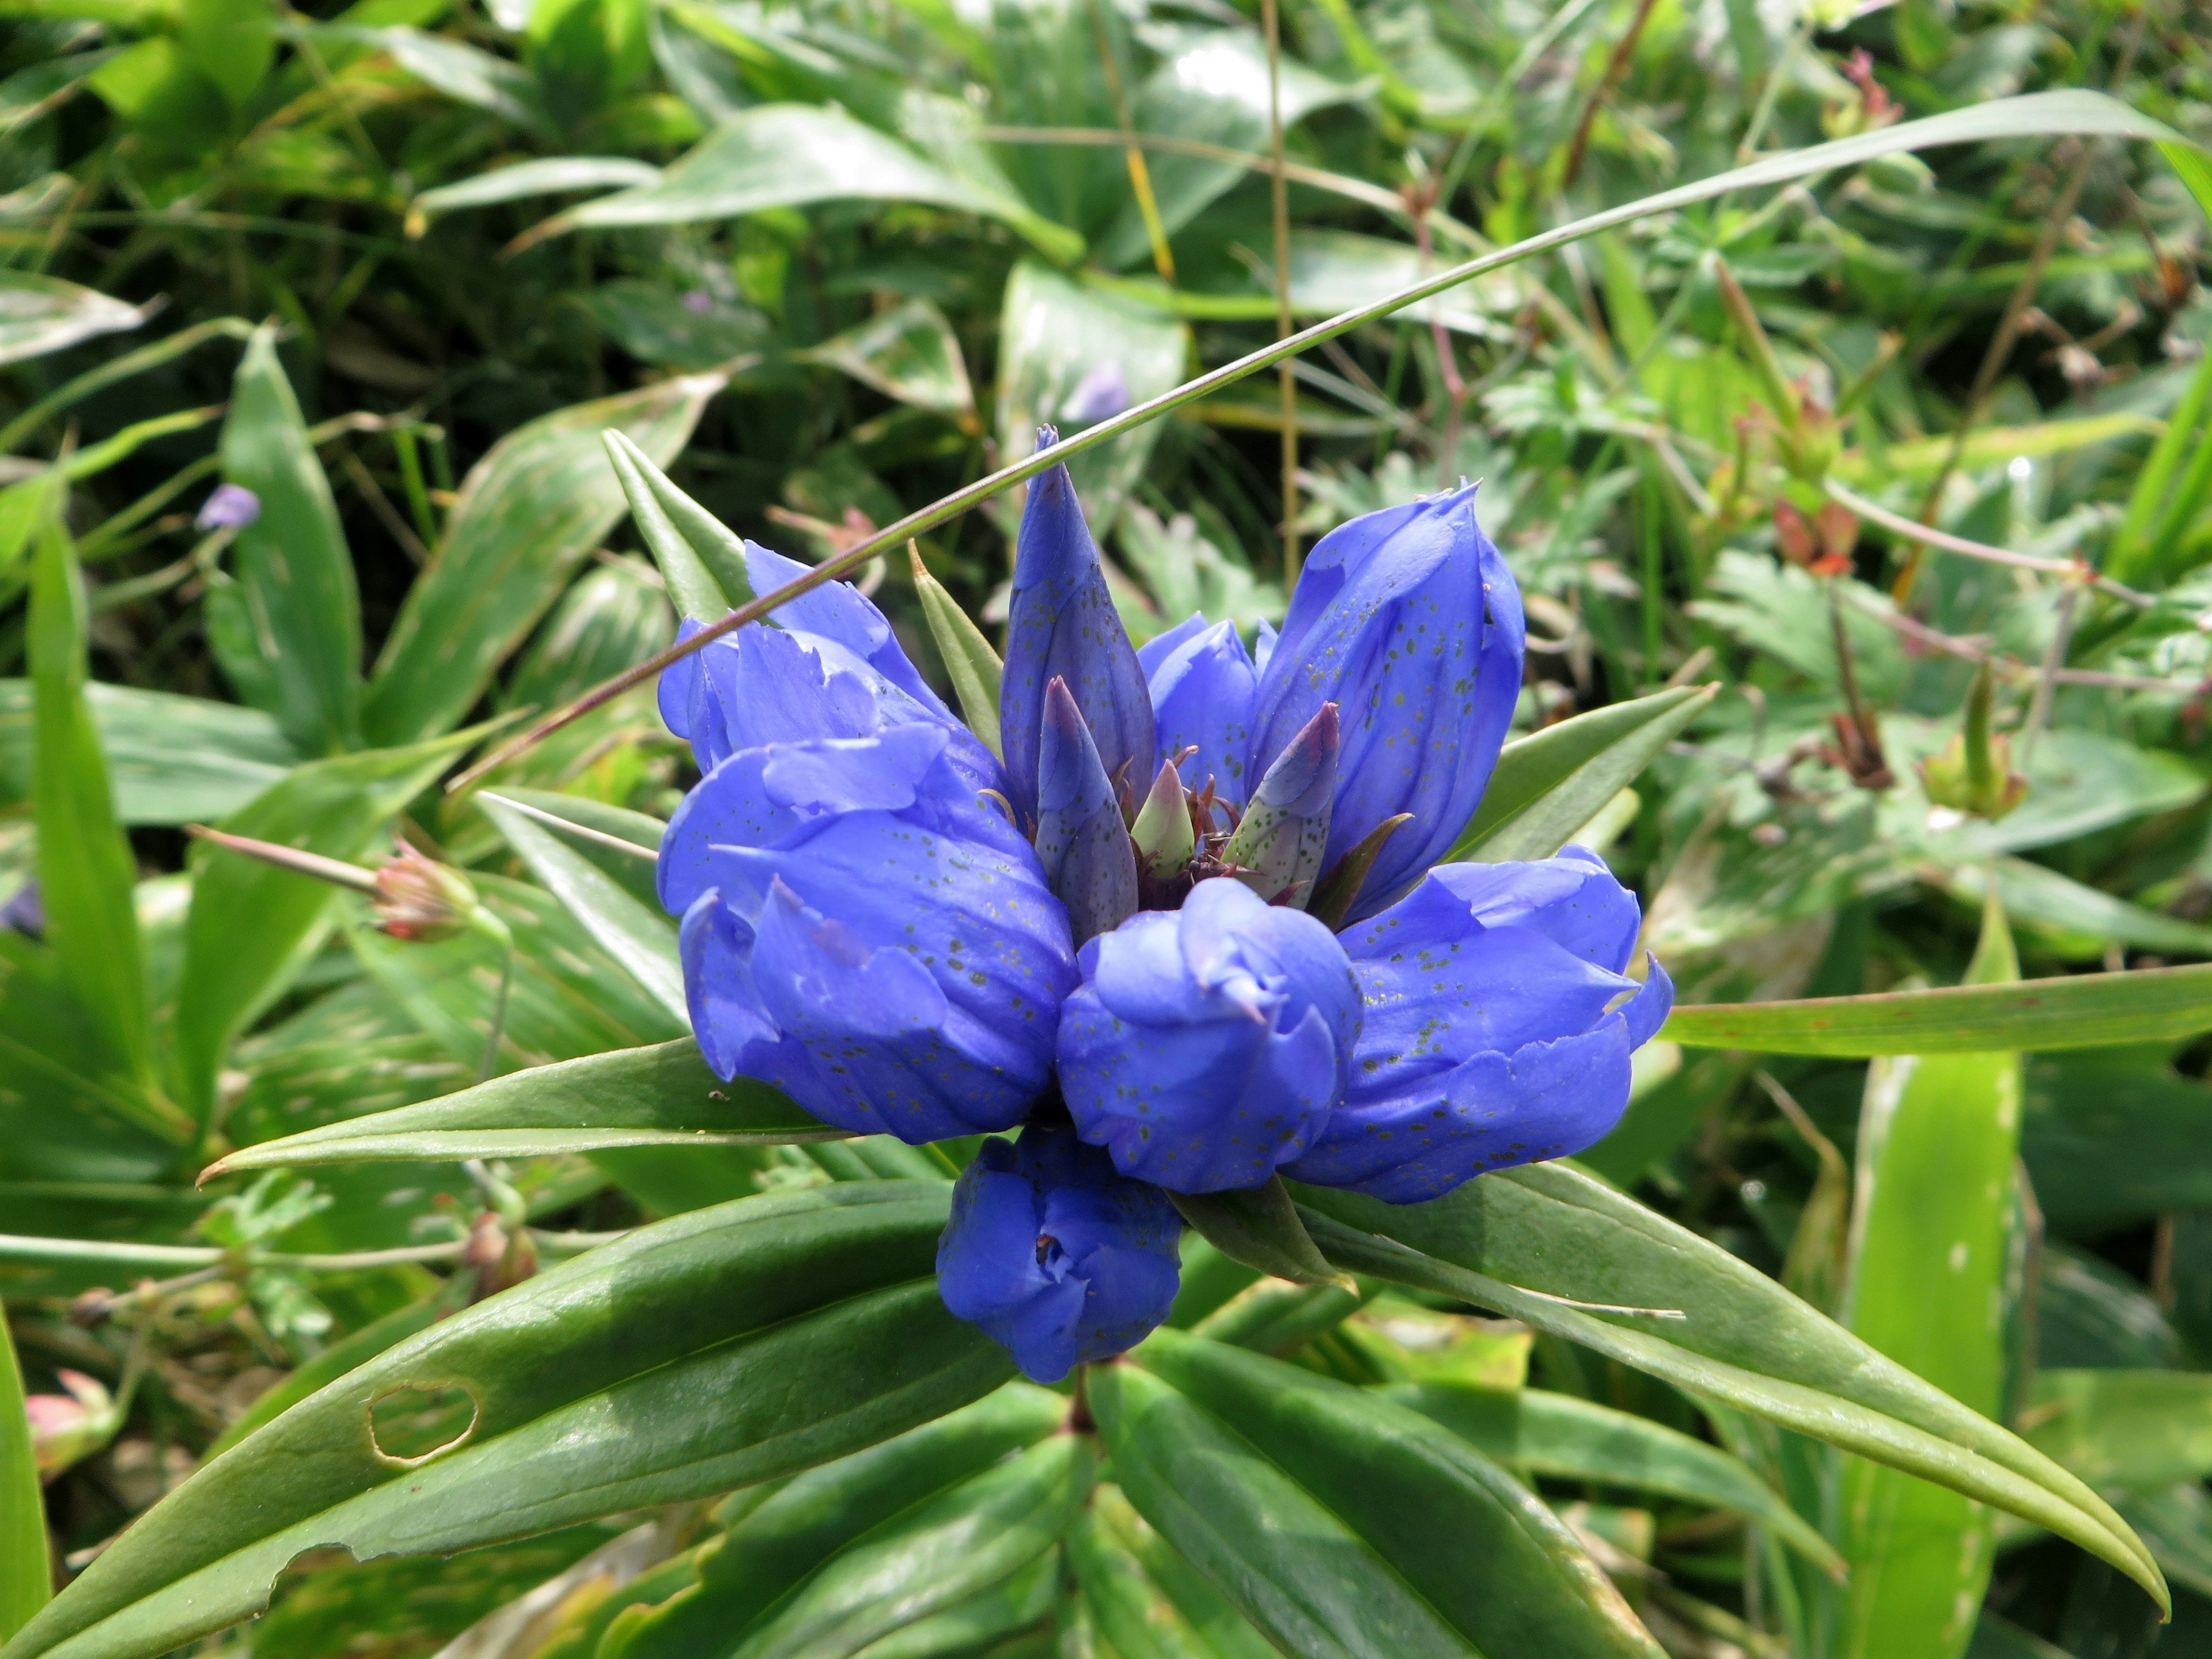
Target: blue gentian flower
{"x":1207,"y":1045}
{"x":912,"y":939}
{"x":1054,"y":1253}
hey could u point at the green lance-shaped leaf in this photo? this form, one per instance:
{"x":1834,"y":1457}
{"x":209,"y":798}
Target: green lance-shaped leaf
{"x":529,"y":513}
{"x":662,"y":1095}
{"x":2085,"y":1011}
{"x":173,"y":759}
{"x":25,"y":1570}
{"x":1260,"y":1227}
{"x":1550,"y":1245}
{"x":786,"y":1536}
{"x":640,"y":937}
{"x":252,"y":927}
{"x":623,"y":844}
{"x":288,"y":631}
{"x":1549,"y":784}
{"x":86,"y":871}
{"x":706,"y":573}
{"x":973,"y":666}
{"x":1342,"y":1523}
{"x":1931,"y":1239}
{"x":2133,"y":1431}
{"x":909,"y":353}
{"x":1277,"y":1318}
{"x":39,"y":314}
{"x":729,"y":1346}
{"x":1146,"y":1600}
{"x":1560,"y":1437}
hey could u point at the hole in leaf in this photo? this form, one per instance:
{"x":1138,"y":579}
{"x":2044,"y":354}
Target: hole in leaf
{"x":412,"y":1425}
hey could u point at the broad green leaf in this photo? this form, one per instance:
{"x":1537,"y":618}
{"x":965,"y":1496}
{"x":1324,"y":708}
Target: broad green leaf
{"x":467,"y":74}
{"x":908,"y":353}
{"x":2087,"y":1010}
{"x":1549,"y":784}
{"x":2133,"y":1431}
{"x":1562,"y":1437}
{"x":796,"y":155}
{"x":2076,"y":920}
{"x":2177,"y":1524}
{"x":550,"y":175}
{"x":1930,"y":1244}
{"x":641,"y":938}
{"x":40,"y":314}
{"x":296,"y":647}
{"x":711,"y":1350}
{"x":624,"y":845}
{"x":333,"y":1363}
{"x":1340,"y":1523}
{"x":969,"y":661}
{"x":931,"y":1558}
{"x":2116,"y":1138}
{"x":529,"y":513}
{"x":614,"y":616}
{"x":1260,"y":1228}
{"x":662,"y":1096}
{"x":174,"y":759}
{"x":253,"y":926}
{"x":1147,"y":1601}
{"x":85,"y":868}
{"x":1549,"y":1244}
{"x":786,"y":1536}
{"x":1065,"y":352}
{"x":26,"y":1571}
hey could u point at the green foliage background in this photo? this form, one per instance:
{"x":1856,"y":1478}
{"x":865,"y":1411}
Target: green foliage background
{"x":397,"y":267}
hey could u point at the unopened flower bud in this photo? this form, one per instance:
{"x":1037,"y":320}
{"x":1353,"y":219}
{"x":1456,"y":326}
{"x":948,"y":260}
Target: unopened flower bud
{"x":1277,"y":849}
{"x":420,"y":899}
{"x":1974,"y":774}
{"x":1081,"y":842}
{"x":1164,"y":838}
{"x":68,"y":1428}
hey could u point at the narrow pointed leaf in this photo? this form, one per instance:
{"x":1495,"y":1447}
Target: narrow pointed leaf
{"x":1260,"y":1227}
{"x":2085,"y":1011}
{"x":691,"y":583}
{"x":1548,"y":785}
{"x":725,"y":1347}
{"x":1550,"y":1245}
{"x":26,"y":1571}
{"x":969,"y":661}
{"x":662,"y":1095}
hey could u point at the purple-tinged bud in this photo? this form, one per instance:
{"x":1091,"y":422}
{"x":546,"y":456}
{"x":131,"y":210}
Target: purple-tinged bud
{"x":1081,"y":842}
{"x":232,"y":507}
{"x":1099,"y":395}
{"x":1061,"y":624}
{"x":420,"y":899}
{"x":1277,"y":849}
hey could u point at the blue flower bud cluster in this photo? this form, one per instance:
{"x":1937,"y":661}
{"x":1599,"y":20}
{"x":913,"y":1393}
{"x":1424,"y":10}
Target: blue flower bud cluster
{"x":912,"y":938}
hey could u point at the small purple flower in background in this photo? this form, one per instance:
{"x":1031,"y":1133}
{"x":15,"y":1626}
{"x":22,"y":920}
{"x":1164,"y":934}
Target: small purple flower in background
{"x":698,"y":301}
{"x":911,"y":938}
{"x":1100,"y":394}
{"x":232,"y":507}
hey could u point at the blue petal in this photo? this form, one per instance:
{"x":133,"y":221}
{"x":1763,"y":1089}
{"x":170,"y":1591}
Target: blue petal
{"x":1202,"y":691}
{"x":1082,"y":845}
{"x":839,"y":612}
{"x":1541,"y":1101}
{"x":1061,"y":623}
{"x":1410,"y":621}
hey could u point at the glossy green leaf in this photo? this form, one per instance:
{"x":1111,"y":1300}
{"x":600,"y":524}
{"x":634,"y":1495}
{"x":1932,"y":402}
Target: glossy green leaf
{"x":469,"y":75}
{"x":1549,"y":1244}
{"x":624,"y":845}
{"x":333,"y":1363}
{"x":173,"y":759}
{"x":2072,"y":920}
{"x":785,"y":1537}
{"x":615,"y":615}
{"x":1260,"y":1227}
{"x":719,"y":1348}
{"x":908,"y":353}
{"x":660,"y":1096}
{"x":2087,"y":1010}
{"x":970,"y":663}
{"x":253,"y":926}
{"x":1340,"y":1523}
{"x":1273,"y":1317}
{"x":1930,"y":1249}
{"x":26,"y":1572}
{"x":1145,"y":1599}
{"x":693,"y":585}
{"x":641,"y":938}
{"x":2133,"y":1431}
{"x":1566,"y":1438}
{"x":528,"y":513}
{"x":1549,"y":784}
{"x":796,"y":155}
{"x":2116,"y":1136}
{"x":85,"y":868}
{"x":40,"y":314}
{"x":550,"y":175}
{"x":299,"y":613}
